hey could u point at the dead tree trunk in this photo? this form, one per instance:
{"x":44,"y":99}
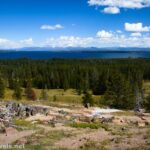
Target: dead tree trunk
{"x":139,"y":99}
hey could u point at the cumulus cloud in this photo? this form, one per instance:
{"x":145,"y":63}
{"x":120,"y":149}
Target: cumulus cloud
{"x":136,"y":34}
{"x":119,"y":31}
{"x":103,"y":38}
{"x":69,"y":41}
{"x":123,"y":41}
{"x":104,"y":34}
{"x":136,"y":27}
{"x":5,"y":43}
{"x":52,"y":27}
{"x":28,"y":41}
{"x":135,"y":42}
{"x":111,"y":10}
{"x":10,"y":44}
{"x":129,"y":4}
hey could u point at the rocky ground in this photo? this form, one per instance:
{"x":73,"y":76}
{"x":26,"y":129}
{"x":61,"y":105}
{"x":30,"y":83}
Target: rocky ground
{"x":67,"y":127}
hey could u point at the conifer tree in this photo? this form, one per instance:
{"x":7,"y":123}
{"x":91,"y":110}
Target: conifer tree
{"x":44,"y":95}
{"x":87,"y":99}
{"x":17,"y":91}
{"x":118,"y":94}
{"x":2,"y":88}
{"x":30,"y":92}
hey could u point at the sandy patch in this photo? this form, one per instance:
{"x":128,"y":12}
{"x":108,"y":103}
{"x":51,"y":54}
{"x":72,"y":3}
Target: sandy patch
{"x":14,"y":137}
{"x":79,"y":140}
{"x":39,"y":117}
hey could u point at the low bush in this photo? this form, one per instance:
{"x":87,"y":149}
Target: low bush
{"x":88,"y":125}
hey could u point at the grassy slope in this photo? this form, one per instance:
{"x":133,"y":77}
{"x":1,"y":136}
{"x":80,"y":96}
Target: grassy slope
{"x":146,"y":85}
{"x":68,"y":96}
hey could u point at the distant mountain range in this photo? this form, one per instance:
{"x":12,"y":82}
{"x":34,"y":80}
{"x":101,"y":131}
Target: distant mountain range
{"x":78,"y":49}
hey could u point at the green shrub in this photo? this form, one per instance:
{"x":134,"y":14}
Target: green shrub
{"x":24,"y":124}
{"x":87,"y":99}
{"x":88,"y":125}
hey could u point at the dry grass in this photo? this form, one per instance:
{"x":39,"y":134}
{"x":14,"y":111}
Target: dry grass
{"x":55,"y":95}
{"x":146,"y":86}
{"x":124,"y":113}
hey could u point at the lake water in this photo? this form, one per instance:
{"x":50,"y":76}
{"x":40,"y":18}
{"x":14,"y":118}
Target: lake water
{"x":73,"y":54}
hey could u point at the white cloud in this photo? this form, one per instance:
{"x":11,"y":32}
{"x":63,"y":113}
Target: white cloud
{"x":135,"y":42}
{"x":121,"y":3}
{"x":123,"y":41}
{"x":136,"y":27}
{"x":69,"y":41}
{"x":104,"y":34}
{"x":119,"y":31}
{"x":5,"y":43}
{"x":107,"y":39}
{"x":136,"y":34}
{"x":102,"y":39}
{"x":129,"y":4}
{"x":28,"y":41}
{"x":52,"y":27}
{"x":10,"y":44}
{"x":111,"y":10}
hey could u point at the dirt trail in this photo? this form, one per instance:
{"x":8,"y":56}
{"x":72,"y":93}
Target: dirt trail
{"x":8,"y":139}
{"x":79,"y":140}
{"x":64,"y":128}
{"x":136,"y":140}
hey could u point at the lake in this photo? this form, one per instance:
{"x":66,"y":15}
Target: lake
{"x":73,"y":54}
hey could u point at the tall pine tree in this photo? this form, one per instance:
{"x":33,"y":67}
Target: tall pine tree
{"x":2,"y":88}
{"x":44,"y":95}
{"x":119,"y":93}
{"x":87,"y":99}
{"x":17,"y":91}
{"x":30,"y":94}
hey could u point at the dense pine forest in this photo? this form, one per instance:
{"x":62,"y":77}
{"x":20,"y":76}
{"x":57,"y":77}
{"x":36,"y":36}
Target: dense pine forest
{"x":119,"y":79}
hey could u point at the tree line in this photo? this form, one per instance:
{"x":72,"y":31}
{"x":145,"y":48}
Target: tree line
{"x":119,"y":80}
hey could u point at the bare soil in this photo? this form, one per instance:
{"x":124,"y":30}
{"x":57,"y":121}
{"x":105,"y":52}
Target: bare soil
{"x":124,"y":132}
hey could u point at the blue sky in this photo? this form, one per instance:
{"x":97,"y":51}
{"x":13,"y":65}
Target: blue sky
{"x":62,"y":23}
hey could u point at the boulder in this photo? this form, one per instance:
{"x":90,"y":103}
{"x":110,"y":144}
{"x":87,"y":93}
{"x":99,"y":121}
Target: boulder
{"x":141,"y":124}
{"x":95,"y":120}
{"x":67,"y":117}
{"x":85,"y":119}
{"x":118,"y":121}
{"x":107,"y":119}
{"x":21,"y":110}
